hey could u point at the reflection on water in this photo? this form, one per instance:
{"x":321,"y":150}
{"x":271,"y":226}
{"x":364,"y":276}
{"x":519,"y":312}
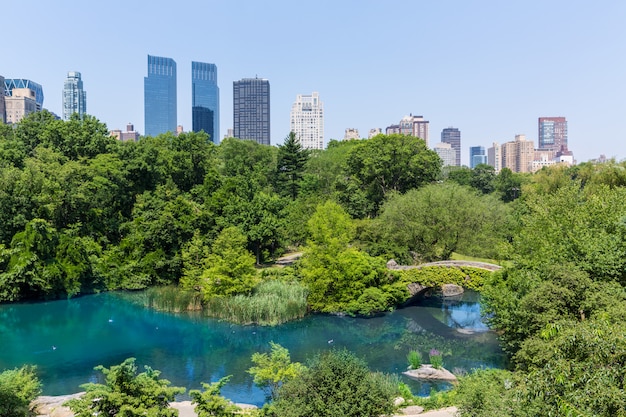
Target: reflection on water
{"x":66,"y":339}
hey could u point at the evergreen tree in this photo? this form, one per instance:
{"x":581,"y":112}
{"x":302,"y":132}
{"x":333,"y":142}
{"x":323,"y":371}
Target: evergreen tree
{"x":290,"y":167}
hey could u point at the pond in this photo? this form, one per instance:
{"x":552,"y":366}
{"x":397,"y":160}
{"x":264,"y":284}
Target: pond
{"x":66,"y":339}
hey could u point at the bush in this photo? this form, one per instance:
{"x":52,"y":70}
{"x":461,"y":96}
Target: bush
{"x":436,"y":358}
{"x":415,"y":359}
{"x":435,"y":276}
{"x":337,"y":383}
{"x":18,"y":388}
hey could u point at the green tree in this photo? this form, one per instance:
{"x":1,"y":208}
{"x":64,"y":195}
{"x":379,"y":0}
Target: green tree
{"x":483,"y":177}
{"x":18,"y":388}
{"x":273,"y":370}
{"x":291,"y":161}
{"x":229,"y":266}
{"x":127,"y":393}
{"x":336,"y":383}
{"x":210,"y":403}
{"x":508,"y":185}
{"x":391,"y":163}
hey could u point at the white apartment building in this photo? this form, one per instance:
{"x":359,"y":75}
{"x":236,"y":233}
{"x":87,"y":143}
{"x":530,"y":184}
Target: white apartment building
{"x":307,"y":120}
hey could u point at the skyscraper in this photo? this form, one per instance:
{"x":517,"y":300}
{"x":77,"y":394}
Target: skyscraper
{"x":3,"y":116}
{"x":517,"y":155}
{"x":552,"y":133}
{"x":452,"y":135}
{"x":160,"y":96}
{"x":251,"y":109}
{"x":446,"y":153}
{"x":205,"y":100}
{"x":477,"y":156}
{"x":307,"y":121}
{"x":11,"y":83}
{"x":74,"y":97}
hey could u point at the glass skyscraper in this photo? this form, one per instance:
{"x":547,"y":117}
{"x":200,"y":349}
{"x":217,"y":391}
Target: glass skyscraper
{"x":251,"y":109}
{"x":74,"y":97}
{"x":553,"y":133}
{"x":452,"y":135}
{"x":477,"y":156}
{"x":205,"y":100}
{"x":160,"y":96}
{"x":11,"y":83}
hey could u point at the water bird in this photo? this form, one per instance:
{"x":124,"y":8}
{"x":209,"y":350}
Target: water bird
{"x":331,"y":341}
{"x":54,"y":347}
{"x":110,"y":320}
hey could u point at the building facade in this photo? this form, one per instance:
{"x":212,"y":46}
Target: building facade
{"x":11,"y":83}
{"x":160,"y":96}
{"x":21,"y":103}
{"x":477,"y":156}
{"x":351,"y":133}
{"x":205,"y":100}
{"x":412,"y":126}
{"x":518,"y":155}
{"x":552,"y":133}
{"x":494,"y":157}
{"x":446,"y":153}
{"x":374,"y":132}
{"x":251,"y":110}
{"x":74,"y":96}
{"x":3,"y":114}
{"x":452,"y":135}
{"x":307,"y":120}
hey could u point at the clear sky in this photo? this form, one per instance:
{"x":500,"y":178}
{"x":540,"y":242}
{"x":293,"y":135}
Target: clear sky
{"x":487,"y":67}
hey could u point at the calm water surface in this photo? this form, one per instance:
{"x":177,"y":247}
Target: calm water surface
{"x":66,"y":339}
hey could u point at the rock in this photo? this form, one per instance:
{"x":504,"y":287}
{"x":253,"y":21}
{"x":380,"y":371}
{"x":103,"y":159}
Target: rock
{"x":427,"y":372}
{"x":46,"y":406}
{"x":411,"y":410}
{"x":451,"y":290}
{"x":415,"y":288}
{"x":392,"y":264}
{"x":398,"y":401}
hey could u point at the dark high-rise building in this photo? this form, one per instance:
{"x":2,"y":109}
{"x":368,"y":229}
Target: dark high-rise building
{"x":251,"y":109}
{"x":160,"y":96}
{"x":3,"y":116}
{"x":205,"y":100}
{"x":477,"y":156}
{"x":452,"y":135}
{"x":553,"y":133}
{"x":74,"y":97}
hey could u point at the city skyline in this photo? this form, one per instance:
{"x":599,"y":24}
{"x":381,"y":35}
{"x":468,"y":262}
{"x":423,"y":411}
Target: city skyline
{"x":490,"y":69}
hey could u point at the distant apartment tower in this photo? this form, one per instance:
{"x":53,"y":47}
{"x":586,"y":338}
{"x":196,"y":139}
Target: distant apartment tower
{"x":160,"y":96}
{"x":518,"y":155}
{"x":494,"y":157}
{"x":412,"y":126}
{"x":205,"y":100}
{"x":552,"y":133}
{"x":447,"y":153}
{"x":74,"y":97}
{"x":21,"y":103}
{"x":251,"y":109}
{"x":3,"y":114}
{"x":307,"y":120}
{"x":351,"y":133}
{"x":452,"y":135}
{"x":374,"y":132}
{"x":477,"y":156}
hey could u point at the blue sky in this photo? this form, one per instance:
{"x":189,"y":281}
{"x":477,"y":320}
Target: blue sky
{"x":489,"y":68}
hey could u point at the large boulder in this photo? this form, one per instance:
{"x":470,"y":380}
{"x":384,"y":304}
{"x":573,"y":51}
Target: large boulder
{"x":428,"y":373}
{"x":451,"y":290}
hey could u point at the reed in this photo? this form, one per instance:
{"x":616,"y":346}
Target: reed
{"x":271,"y":303}
{"x":171,"y":299}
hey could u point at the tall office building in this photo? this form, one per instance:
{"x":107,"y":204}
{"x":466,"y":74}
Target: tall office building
{"x":446,"y":153}
{"x":494,"y":156}
{"x":3,"y":115}
{"x":477,"y":156}
{"x":251,"y":109}
{"x":12,"y":83}
{"x":552,"y":133}
{"x":160,"y":96}
{"x":307,"y":120}
{"x":205,"y":100}
{"x":74,"y":97}
{"x":452,"y":135}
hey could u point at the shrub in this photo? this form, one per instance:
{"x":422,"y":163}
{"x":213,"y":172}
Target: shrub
{"x":436,"y":358}
{"x":415,"y":359}
{"x":18,"y":387}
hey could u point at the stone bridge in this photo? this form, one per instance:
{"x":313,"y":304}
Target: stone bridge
{"x":448,"y":290}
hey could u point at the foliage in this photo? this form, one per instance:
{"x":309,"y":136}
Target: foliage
{"x":390,"y":163}
{"x":273,"y":370}
{"x":18,"y":388}
{"x":336,"y":383}
{"x":436,"y":358}
{"x":437,"y":400}
{"x":210,"y":403}
{"x":171,"y":299}
{"x":291,"y":160}
{"x":487,"y":393}
{"x":431,"y":223}
{"x":127,"y":393}
{"x":271,"y":303}
{"x":435,"y":276}
{"x":414,"y":358}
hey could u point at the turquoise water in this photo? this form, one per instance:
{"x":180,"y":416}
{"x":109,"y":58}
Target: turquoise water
{"x":66,"y":339}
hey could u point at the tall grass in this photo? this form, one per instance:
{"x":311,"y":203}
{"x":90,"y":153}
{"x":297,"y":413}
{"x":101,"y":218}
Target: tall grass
{"x":171,"y":299}
{"x":271,"y":303}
